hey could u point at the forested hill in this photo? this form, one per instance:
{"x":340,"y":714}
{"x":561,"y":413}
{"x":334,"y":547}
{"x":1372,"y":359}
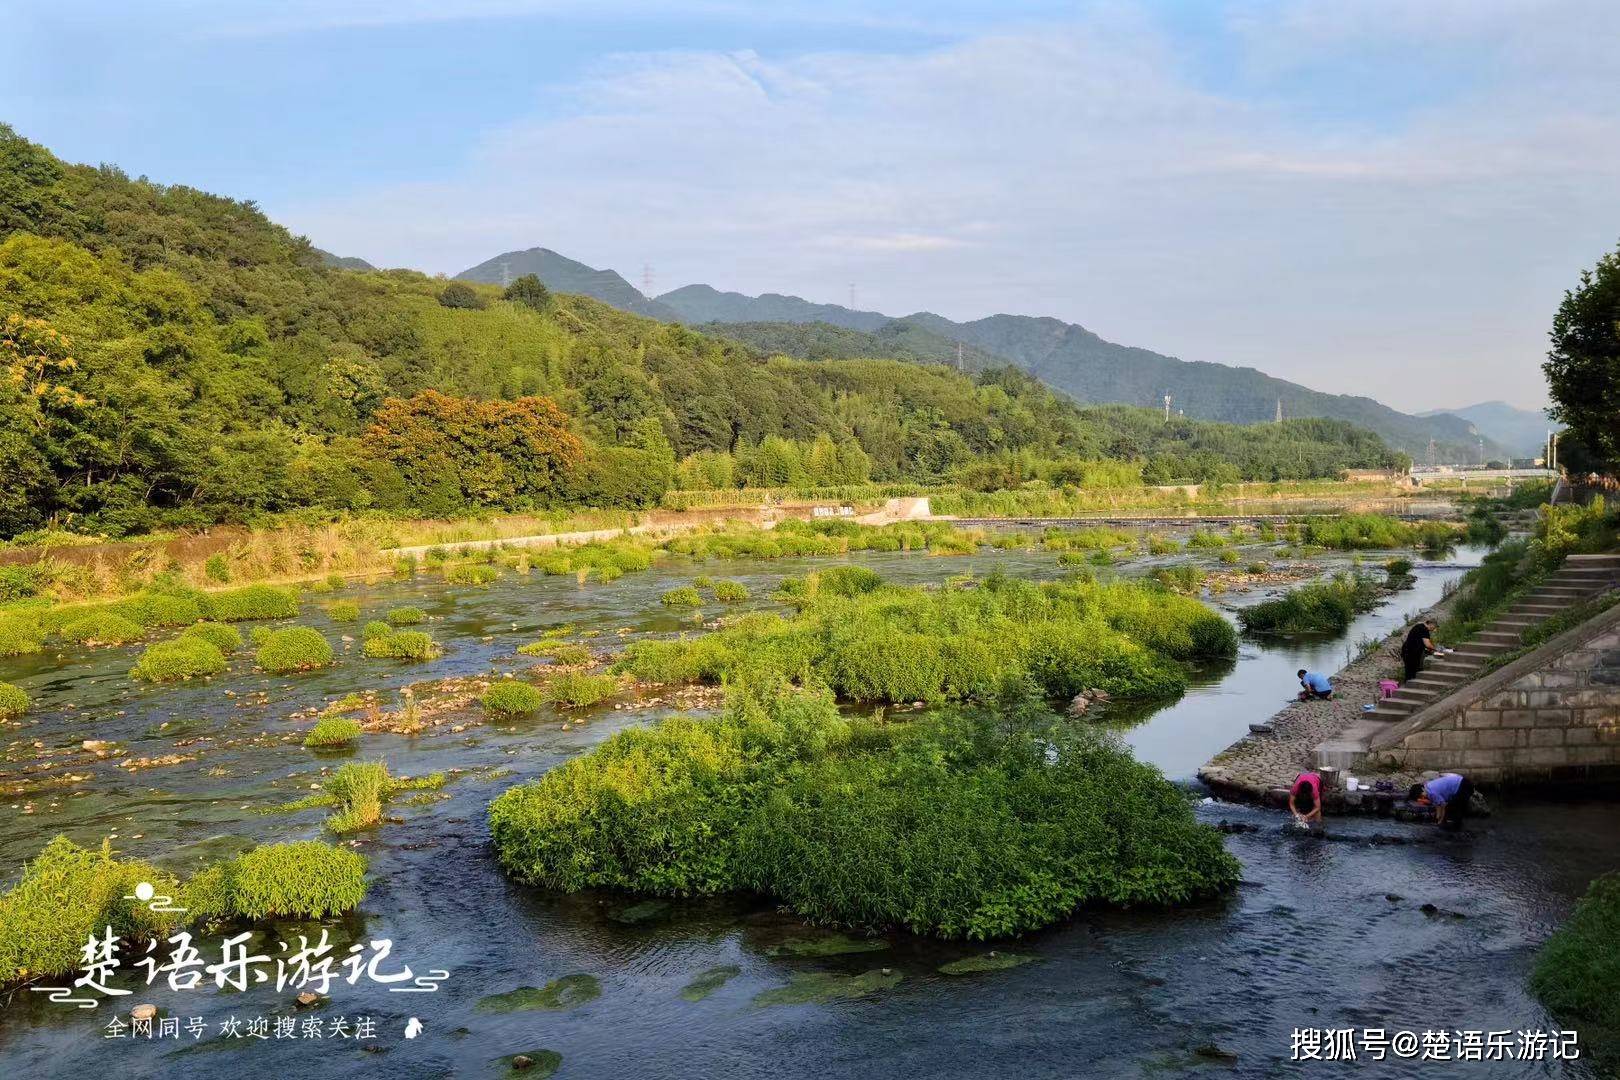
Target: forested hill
{"x":824,"y":341}
{"x":172,"y":358}
{"x":1063,"y":355}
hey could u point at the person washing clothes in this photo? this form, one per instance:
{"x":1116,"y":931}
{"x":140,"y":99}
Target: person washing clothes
{"x":1449,"y":794}
{"x":1316,"y":687}
{"x":1305,"y":798}
{"x":1418,"y":644}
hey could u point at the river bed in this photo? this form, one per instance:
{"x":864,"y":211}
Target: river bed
{"x":1310,"y":940}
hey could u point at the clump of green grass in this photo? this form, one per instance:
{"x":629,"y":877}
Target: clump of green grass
{"x":358,"y":789}
{"x":19,"y":637}
{"x":154,"y":609}
{"x":1204,"y":538}
{"x":564,"y":653}
{"x":404,"y":616}
{"x":1229,"y":557}
{"x":685,"y":596}
{"x":1185,"y":579}
{"x":343,"y":611}
{"x":332,"y":731}
{"x":227,"y":639}
{"x":182,"y":658}
{"x":512,"y":698}
{"x":730,"y":592}
{"x":968,"y":825}
{"x":294,"y":648}
{"x":253,"y":602}
{"x":402,"y":645}
{"x":1321,"y":606}
{"x":578,"y":689}
{"x":103,"y":628}
{"x":1577,"y":972}
{"x":305,"y":879}
{"x":13,"y":701}
{"x":896,"y":644}
{"x":1258,"y":568}
{"x":66,"y":896}
{"x":1161,"y":545}
{"x":471,"y":574}
{"x":376,"y":628}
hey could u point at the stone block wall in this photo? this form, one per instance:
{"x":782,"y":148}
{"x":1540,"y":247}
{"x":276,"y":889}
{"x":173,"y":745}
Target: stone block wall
{"x":1553,"y":715}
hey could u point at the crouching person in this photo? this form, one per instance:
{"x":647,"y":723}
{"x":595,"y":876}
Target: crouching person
{"x":1449,"y":794}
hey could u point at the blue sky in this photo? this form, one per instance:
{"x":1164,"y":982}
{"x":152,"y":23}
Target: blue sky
{"x":1376,"y":197}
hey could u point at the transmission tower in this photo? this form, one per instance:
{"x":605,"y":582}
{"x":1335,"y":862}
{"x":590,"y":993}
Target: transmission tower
{"x":1279,"y":410}
{"x":646,"y":279}
{"x":1167,"y":408}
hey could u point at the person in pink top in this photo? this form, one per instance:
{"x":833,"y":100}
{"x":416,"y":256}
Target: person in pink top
{"x":1305,"y":797}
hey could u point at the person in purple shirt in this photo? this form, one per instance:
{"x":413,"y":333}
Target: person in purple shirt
{"x":1448,"y":793}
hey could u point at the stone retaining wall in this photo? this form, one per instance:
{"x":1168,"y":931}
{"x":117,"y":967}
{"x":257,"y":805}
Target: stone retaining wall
{"x":1552,"y":715}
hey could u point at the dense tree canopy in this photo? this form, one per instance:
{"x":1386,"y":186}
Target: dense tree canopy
{"x":174,"y":358}
{"x":1583,"y":367}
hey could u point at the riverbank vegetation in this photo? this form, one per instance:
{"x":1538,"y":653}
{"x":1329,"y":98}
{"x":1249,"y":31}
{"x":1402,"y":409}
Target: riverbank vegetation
{"x":972,"y":824}
{"x":870,"y":642}
{"x":1519,"y":565}
{"x":1328,"y":606}
{"x":1577,"y":972}
{"x":70,"y":894}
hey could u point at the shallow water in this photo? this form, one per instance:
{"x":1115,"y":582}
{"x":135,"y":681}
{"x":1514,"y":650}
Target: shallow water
{"x":1107,"y":993}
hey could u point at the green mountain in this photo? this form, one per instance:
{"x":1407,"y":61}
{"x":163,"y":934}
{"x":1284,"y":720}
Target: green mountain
{"x":823,"y":341}
{"x":176,"y":359}
{"x":705,"y":304}
{"x":1065,"y":356}
{"x":562,"y":274}
{"x":1523,"y":432}
{"x":341,"y":262}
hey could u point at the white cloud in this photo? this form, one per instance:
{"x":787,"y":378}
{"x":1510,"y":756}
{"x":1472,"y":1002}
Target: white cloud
{"x":1079,"y":170}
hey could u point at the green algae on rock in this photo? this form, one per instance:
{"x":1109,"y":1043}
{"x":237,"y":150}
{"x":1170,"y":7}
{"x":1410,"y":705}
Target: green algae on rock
{"x":992,"y":961}
{"x":710,"y":981}
{"x":564,"y":993}
{"x":831,"y":945}
{"x":821,"y":987}
{"x":529,"y":1064}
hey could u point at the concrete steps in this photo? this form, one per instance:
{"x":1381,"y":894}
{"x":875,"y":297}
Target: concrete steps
{"x":1581,"y":577}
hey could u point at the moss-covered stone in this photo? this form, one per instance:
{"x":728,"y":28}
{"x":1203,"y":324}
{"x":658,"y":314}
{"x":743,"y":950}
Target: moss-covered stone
{"x":831,"y":945}
{"x":993,"y":961}
{"x":710,"y":981}
{"x":564,"y":993}
{"x":529,"y":1064}
{"x":821,"y":987}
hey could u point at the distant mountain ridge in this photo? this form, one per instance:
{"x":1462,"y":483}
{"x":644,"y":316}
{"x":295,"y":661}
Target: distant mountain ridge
{"x":562,"y":274}
{"x":1065,"y":356}
{"x":1521,"y":431}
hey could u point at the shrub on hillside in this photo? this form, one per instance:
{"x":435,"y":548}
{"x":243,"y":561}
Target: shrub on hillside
{"x":103,"y":628}
{"x":253,"y":602}
{"x":512,"y":698}
{"x":182,"y":658}
{"x":293,"y":648}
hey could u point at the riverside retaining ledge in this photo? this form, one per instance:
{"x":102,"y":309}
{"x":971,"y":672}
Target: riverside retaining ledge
{"x":1262,"y":767}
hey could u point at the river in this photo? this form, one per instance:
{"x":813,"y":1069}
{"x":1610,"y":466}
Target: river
{"x":1323,"y":933}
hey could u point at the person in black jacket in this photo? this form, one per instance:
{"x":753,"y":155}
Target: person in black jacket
{"x":1418,"y":644}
